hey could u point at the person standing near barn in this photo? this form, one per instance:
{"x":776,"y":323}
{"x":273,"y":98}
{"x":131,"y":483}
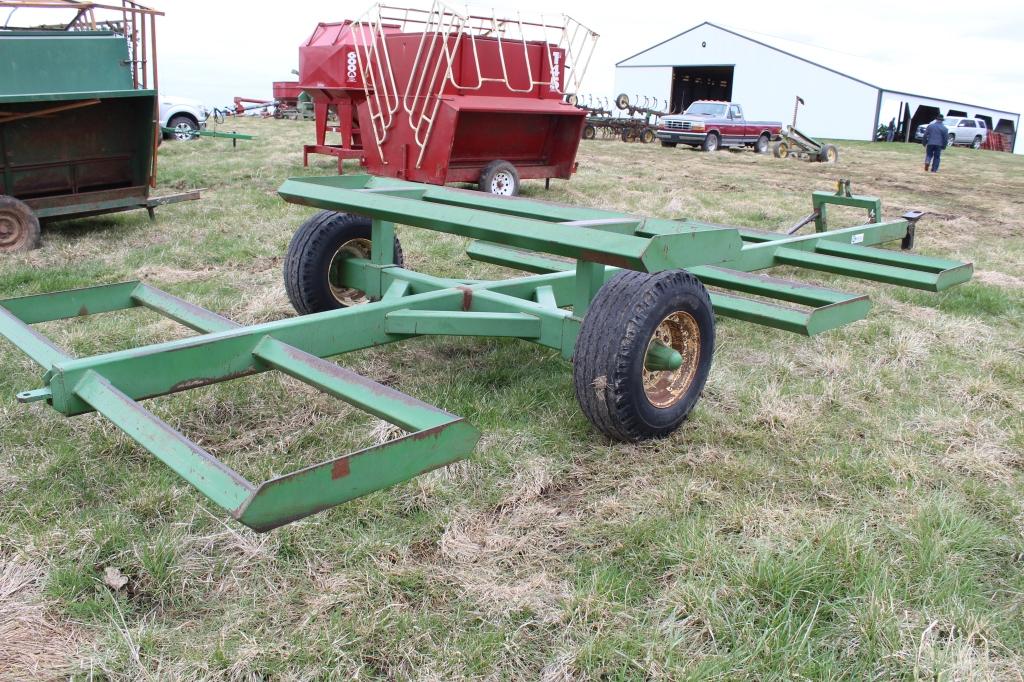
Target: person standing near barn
{"x":890,"y":134}
{"x":936,"y":137}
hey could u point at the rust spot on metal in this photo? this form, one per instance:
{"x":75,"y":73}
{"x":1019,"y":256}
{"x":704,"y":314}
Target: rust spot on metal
{"x":607,"y":259}
{"x":206,"y":381}
{"x":83,"y":311}
{"x":340,"y":468}
{"x":467,"y":297}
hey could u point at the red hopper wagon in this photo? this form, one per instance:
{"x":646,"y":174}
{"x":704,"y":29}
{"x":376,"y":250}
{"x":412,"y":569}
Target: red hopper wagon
{"x":438,"y":96}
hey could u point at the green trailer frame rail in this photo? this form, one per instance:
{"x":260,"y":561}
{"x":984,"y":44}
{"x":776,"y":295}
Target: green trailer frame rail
{"x":570,"y":252}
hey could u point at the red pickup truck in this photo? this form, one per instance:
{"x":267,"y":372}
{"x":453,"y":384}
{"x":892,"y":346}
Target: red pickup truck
{"x":712,"y":125}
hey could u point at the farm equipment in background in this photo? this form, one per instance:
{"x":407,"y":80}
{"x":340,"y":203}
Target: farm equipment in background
{"x":638,"y":124}
{"x":640,"y":332}
{"x":438,"y":96}
{"x":293,"y":102}
{"x":791,"y":143}
{"x":78,"y":106}
{"x":246,"y":104}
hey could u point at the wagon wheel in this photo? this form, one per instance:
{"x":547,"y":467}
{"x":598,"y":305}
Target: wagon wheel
{"x":626,"y":136}
{"x":314,"y":267}
{"x":647,"y":136}
{"x":643,"y":353}
{"x":622,"y":101}
{"x":828,"y":154}
{"x":500,"y":178}
{"x":19,"y":226}
{"x":780,"y":150}
{"x":589,"y":132}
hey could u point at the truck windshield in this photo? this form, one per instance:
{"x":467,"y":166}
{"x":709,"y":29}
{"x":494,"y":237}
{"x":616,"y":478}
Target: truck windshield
{"x":706,"y":109}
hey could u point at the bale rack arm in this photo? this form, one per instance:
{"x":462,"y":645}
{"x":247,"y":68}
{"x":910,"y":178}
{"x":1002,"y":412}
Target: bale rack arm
{"x":572,"y":252}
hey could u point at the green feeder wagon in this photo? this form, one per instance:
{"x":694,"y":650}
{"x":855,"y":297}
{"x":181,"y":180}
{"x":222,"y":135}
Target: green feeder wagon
{"x":78,"y":110}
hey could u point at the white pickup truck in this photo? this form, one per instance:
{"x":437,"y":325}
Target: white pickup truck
{"x":966,"y":131}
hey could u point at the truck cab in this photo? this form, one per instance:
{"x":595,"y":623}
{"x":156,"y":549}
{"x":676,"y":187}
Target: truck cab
{"x":713,"y":124}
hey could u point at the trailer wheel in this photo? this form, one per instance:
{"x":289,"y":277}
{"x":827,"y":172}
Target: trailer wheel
{"x":780,"y":150}
{"x":19,"y":226}
{"x":647,"y":136}
{"x":589,"y":132}
{"x":626,"y":136}
{"x":312,"y":266}
{"x":622,"y":101}
{"x":828,"y":154}
{"x":622,"y":388}
{"x":184,"y":127}
{"x":711,"y":142}
{"x":762,"y":144}
{"x":500,"y":178}
{"x":666,"y":143}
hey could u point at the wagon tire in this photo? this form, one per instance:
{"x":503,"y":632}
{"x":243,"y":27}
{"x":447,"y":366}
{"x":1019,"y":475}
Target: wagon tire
{"x":780,"y":150}
{"x":622,"y":101}
{"x":317,"y":249}
{"x":500,"y":178}
{"x":589,"y":132}
{"x":184,"y":127}
{"x":829,"y":154}
{"x":647,"y":136}
{"x":763,"y":144}
{"x":19,"y":226}
{"x":618,"y":394}
{"x":666,"y":143}
{"x":711,"y":142}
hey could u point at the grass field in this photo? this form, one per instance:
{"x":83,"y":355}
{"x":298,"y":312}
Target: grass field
{"x":843,"y":507}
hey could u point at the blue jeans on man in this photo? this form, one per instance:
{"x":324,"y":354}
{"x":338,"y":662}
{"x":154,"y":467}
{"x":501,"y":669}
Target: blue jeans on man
{"x":931,"y":155}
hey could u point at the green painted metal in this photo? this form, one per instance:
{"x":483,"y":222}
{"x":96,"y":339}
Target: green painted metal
{"x":55,"y":65}
{"x":213,"y":133}
{"x":572,"y":253}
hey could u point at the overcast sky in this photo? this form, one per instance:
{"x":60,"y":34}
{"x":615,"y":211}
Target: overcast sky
{"x":966,"y":51}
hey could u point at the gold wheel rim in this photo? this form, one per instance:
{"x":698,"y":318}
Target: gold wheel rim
{"x":353,"y":248}
{"x":680,"y":332}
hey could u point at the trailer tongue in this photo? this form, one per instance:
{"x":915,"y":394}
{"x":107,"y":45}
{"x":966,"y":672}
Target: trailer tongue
{"x":623,"y":297}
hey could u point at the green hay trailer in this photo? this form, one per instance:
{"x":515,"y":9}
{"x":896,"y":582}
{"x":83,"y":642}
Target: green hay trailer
{"x":78,"y":109}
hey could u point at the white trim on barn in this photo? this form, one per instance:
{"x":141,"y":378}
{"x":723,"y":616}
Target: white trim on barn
{"x":766,"y":80}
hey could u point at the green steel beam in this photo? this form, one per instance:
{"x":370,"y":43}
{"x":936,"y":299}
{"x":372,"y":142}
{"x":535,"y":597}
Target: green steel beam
{"x":460,"y":323}
{"x":679,"y":247}
{"x":62,"y":305}
{"x":43,"y":351}
{"x":180,"y":310}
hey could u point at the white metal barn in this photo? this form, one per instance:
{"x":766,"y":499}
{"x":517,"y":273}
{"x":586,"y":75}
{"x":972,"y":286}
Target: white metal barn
{"x":712,"y":62}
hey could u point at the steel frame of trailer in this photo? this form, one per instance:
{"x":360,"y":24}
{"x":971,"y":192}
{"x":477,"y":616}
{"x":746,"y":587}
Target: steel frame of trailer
{"x":572,"y":251}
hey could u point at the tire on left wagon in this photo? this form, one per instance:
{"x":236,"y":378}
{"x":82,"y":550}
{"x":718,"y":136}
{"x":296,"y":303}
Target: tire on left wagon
{"x":19,"y":226}
{"x":622,"y":387}
{"x":314,"y":263}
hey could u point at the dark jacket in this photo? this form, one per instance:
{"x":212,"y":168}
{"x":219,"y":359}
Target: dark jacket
{"x":936,"y":134}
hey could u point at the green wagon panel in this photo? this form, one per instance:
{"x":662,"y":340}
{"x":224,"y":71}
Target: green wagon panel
{"x":47,"y":65}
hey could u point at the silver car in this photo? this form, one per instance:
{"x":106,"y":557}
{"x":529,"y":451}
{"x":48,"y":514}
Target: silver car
{"x":966,"y":131}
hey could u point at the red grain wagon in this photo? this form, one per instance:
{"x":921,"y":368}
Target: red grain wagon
{"x":438,"y":96}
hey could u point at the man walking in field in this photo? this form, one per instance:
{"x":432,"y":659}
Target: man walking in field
{"x":936,"y":137}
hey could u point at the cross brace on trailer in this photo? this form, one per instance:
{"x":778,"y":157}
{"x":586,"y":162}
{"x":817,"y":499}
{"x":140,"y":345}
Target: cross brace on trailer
{"x":631,"y":301}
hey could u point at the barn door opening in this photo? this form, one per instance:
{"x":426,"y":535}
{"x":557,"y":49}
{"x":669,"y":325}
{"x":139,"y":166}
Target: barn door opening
{"x":691,"y":83}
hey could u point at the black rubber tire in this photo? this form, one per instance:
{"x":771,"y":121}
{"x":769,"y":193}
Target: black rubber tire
{"x":666,"y":143}
{"x":829,"y":154}
{"x":763,"y":144}
{"x":307,"y":263}
{"x":183,"y":120}
{"x":976,"y":144}
{"x":780,"y":150}
{"x":647,"y":136}
{"x":589,"y":132}
{"x":709,"y":146}
{"x":952,"y":139}
{"x":626,"y":136}
{"x":622,"y":101}
{"x":19,"y":226}
{"x":612,"y":344}
{"x":494,"y":168}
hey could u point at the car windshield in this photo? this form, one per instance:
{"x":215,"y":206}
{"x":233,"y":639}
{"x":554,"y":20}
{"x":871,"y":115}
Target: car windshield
{"x":706,"y":109}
